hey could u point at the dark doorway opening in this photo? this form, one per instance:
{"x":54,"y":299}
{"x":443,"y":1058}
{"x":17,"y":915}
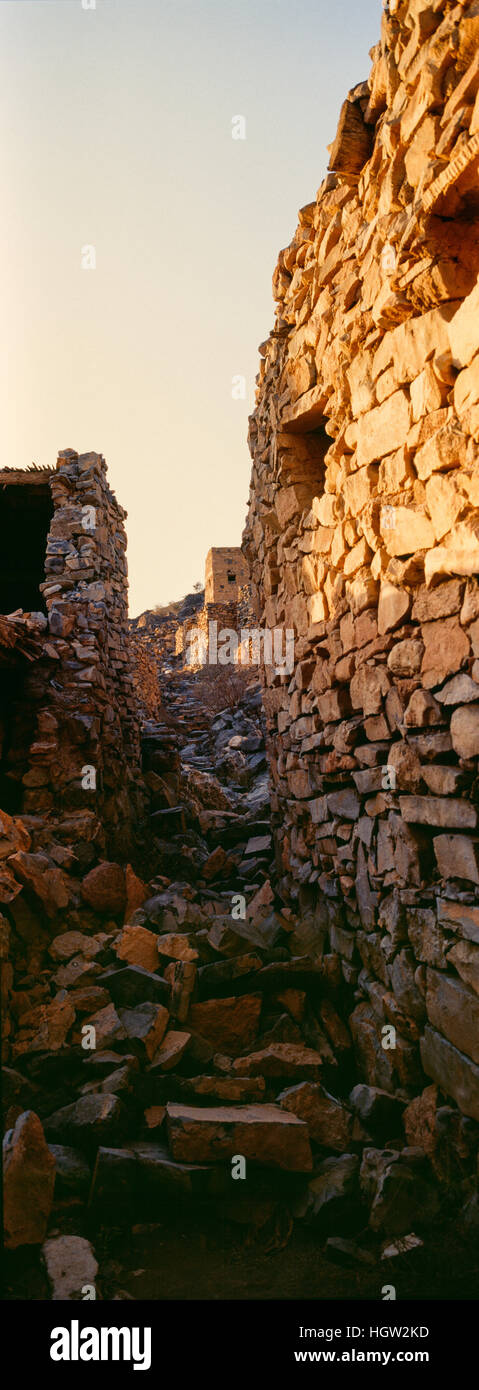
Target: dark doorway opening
{"x":26,"y":510}
{"x":12,"y":765}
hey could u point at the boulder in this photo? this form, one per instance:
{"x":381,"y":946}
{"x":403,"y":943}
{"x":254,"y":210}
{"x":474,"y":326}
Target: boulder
{"x":29,"y":1182}
{"x":263,"y":1134}
{"x":104,"y":889}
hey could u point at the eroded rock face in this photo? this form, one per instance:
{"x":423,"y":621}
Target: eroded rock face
{"x":365,"y":445}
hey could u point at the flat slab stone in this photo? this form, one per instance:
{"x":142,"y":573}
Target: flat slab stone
{"x":262,"y":1133}
{"x":451,"y":1070}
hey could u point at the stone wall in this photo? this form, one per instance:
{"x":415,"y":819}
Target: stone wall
{"x":363,"y":535}
{"x":70,"y":749}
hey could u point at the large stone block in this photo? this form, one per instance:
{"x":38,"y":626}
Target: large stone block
{"x":452,"y":1071}
{"x":263,"y":1134}
{"x":383,"y":429}
{"x":453,"y":1009}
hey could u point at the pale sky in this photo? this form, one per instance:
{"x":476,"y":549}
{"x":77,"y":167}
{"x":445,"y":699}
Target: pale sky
{"x":117,"y":134}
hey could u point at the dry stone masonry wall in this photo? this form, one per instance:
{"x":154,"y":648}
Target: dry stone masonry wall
{"x":363,"y":536}
{"x":69,"y":721}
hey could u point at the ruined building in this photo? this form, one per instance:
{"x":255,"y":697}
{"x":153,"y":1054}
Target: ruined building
{"x":69,"y":730}
{"x":363,"y":535}
{"x":227,"y":603}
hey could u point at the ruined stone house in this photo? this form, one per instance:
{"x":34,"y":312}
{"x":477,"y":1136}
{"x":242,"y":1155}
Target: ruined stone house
{"x":69,"y":730}
{"x":363,"y":535}
{"x":227,"y":604}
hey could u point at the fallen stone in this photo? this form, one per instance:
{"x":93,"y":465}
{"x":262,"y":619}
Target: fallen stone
{"x":281,"y":1059}
{"x":399,"y":1188}
{"x":264,"y":1134}
{"x":29,"y":1181}
{"x":104,"y":889}
{"x":231,"y":1025}
{"x":453,"y":1009}
{"x":147,"y":1024}
{"x":329,"y":1123}
{"x":170,"y":1051}
{"x":451,"y":1070}
{"x":87,"y":1122}
{"x":138,"y":946}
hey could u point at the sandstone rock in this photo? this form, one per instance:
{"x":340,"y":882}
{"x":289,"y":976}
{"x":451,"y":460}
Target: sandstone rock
{"x":29,"y":1181}
{"x":147,"y":1023}
{"x":420,"y":1121}
{"x":368,"y":687}
{"x":393,"y":607}
{"x":465,"y":731}
{"x":427,"y":937}
{"x":45,"y":1027}
{"x":13,"y":835}
{"x":438,"y":810}
{"x":136,"y":892}
{"x":176,"y":946}
{"x":461,"y":918}
{"x":453,"y":1009}
{"x":384,"y":429}
{"x":440,"y":602}
{"x":263,"y":1134}
{"x":405,"y":658}
{"x":70,"y":943}
{"x":444,"y":450}
{"x":465,"y":959}
{"x":48,"y":885}
{"x":463,"y":330}
{"x":457,"y":857}
{"x":231,"y":1025}
{"x":405,"y":531}
{"x":422,"y":710}
{"x":108,"y":1027}
{"x":104,"y":889}
{"x":458,"y":691}
{"x":171,"y":1050}
{"x":281,"y":1059}
{"x":329,"y":1123}
{"x":406,"y":765}
{"x":87,"y":1121}
{"x":446,"y":650}
{"x":138,"y":946}
{"x":451,"y":1070}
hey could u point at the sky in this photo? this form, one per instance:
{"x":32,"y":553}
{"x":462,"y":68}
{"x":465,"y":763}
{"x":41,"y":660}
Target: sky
{"x":138,"y":240}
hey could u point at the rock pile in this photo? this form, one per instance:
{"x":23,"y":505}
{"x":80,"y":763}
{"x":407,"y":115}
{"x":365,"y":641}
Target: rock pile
{"x":182,"y":1039}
